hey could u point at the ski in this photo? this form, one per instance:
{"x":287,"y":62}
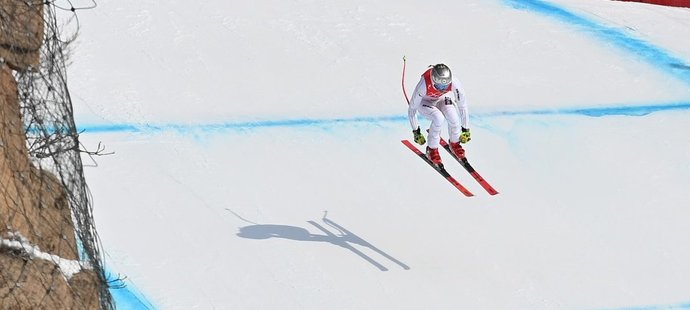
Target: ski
{"x":466,"y":164}
{"x":439,"y":168}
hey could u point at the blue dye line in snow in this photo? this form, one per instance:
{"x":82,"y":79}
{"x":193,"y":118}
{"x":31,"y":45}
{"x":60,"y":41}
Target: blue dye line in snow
{"x":683,"y":306}
{"x":127,"y":297}
{"x":304,"y":122}
{"x":654,"y":55}
{"x":637,"y":110}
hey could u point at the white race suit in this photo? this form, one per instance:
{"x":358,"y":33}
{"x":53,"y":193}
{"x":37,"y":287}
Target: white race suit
{"x":437,"y":106}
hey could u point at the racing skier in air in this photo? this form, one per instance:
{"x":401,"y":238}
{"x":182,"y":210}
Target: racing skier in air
{"x":439,"y":96}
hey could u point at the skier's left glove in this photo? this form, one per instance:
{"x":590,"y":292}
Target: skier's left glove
{"x":418,"y":136}
{"x":465,"y":135}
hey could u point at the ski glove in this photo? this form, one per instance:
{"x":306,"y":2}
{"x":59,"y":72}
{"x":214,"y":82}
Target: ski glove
{"x":465,"y":135}
{"x":418,"y":136}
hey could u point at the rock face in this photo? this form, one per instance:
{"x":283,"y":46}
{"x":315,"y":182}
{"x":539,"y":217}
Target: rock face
{"x":21,"y":32}
{"x":39,"y":284}
{"x":33,"y":202}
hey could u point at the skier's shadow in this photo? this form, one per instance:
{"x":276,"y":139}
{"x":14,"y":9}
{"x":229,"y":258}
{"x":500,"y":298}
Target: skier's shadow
{"x":345,"y":238}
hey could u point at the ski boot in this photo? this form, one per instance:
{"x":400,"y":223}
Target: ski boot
{"x":457,"y":149}
{"x":433,"y":155}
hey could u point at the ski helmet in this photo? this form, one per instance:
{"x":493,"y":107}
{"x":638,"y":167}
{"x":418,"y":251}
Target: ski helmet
{"x":440,"y":76}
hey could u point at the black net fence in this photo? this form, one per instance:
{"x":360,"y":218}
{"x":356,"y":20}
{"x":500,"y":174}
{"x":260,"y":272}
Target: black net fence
{"x":50,"y":253}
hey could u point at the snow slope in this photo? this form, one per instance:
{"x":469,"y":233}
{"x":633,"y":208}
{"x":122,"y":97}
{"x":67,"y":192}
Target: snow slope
{"x":258,"y":162}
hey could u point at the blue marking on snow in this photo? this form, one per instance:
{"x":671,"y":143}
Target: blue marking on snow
{"x":636,"y":110}
{"x":127,"y":297}
{"x":303,"y":122}
{"x":683,"y":306}
{"x":654,"y":55}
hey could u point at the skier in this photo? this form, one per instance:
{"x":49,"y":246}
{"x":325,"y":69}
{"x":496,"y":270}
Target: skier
{"x":439,"y":96}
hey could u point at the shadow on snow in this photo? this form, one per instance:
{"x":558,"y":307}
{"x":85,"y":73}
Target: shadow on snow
{"x":342,"y":238}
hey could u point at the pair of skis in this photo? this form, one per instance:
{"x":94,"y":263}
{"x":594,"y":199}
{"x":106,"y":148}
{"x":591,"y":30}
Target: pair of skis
{"x":442,"y":170}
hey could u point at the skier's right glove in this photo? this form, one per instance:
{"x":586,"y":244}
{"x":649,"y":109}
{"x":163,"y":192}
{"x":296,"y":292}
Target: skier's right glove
{"x":418,"y":136}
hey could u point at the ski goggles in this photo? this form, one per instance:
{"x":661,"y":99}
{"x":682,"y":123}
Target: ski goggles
{"x":440,"y":86}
